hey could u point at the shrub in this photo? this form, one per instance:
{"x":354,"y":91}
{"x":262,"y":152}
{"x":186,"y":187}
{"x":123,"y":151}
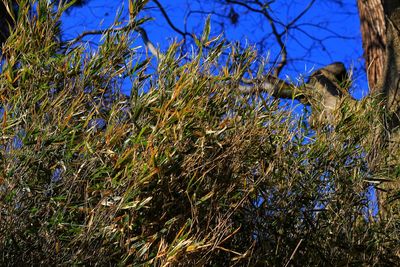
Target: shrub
{"x":183,"y":171}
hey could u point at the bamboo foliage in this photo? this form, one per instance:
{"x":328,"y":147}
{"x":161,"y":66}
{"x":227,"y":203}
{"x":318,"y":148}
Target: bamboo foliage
{"x":185,"y":170}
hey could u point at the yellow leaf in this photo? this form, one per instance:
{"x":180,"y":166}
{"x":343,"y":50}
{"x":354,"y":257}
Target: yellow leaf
{"x":191,"y":248}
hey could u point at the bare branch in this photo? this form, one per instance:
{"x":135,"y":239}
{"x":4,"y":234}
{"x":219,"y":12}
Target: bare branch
{"x":278,"y":36}
{"x":100,"y":32}
{"x":274,"y":86}
{"x":165,"y":15}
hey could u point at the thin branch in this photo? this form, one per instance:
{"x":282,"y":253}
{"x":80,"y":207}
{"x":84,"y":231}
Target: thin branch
{"x":100,"y":32}
{"x":274,"y":86}
{"x":164,"y":13}
{"x":301,"y":14}
{"x":294,"y":252}
{"x":278,"y":36}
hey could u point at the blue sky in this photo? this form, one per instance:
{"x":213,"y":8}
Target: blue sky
{"x":336,"y":22}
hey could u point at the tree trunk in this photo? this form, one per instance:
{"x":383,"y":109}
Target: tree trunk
{"x":373,"y":32}
{"x":391,"y":89}
{"x":380,"y":28}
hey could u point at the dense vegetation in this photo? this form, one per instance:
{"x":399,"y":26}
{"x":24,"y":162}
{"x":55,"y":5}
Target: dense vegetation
{"x":183,"y":171}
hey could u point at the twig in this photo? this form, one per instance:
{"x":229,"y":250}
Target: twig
{"x":294,"y":252}
{"x":100,"y":32}
{"x":164,"y":13}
